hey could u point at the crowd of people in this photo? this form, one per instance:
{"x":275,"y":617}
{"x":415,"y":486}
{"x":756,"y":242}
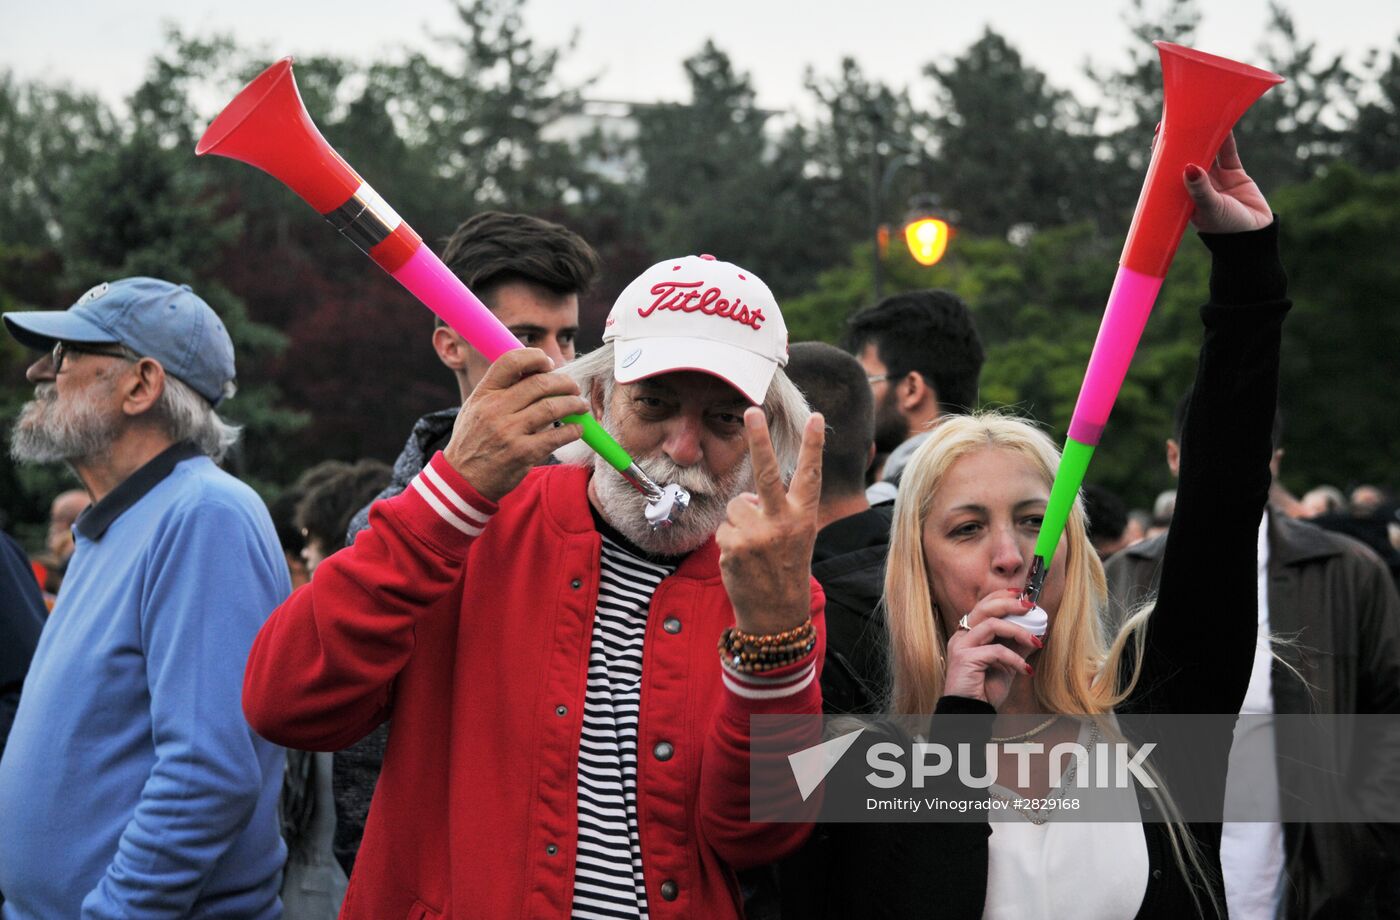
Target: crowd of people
{"x":480,"y":683}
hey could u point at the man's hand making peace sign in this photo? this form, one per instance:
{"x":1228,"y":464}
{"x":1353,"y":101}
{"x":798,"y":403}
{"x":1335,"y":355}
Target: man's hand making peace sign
{"x":766,"y":543}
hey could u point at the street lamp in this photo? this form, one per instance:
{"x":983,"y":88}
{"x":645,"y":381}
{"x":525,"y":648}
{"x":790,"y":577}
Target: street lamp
{"x":927,"y":228}
{"x":928,"y":239}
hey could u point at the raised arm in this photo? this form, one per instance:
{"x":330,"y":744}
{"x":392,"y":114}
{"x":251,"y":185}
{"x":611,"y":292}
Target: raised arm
{"x":322,"y":669}
{"x":1202,"y":633}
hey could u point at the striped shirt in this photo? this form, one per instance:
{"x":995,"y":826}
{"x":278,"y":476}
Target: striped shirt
{"x":608,"y":880}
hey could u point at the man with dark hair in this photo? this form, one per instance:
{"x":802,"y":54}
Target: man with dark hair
{"x":1108,"y":520}
{"x":849,"y":557}
{"x":530,"y":273}
{"x":922,"y":357}
{"x":1334,"y":597}
{"x":131,"y":784}
{"x":324,"y":510}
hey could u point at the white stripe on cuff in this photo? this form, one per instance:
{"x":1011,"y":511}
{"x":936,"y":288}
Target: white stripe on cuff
{"x":457,"y":501}
{"x":763,"y":680}
{"x":803,"y":679}
{"x":443,"y":511}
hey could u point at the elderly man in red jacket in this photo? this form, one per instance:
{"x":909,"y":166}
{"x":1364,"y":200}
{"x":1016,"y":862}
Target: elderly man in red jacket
{"x":566,"y":740}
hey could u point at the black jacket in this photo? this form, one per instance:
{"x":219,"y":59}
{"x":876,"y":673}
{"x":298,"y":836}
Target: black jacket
{"x":22,"y":616}
{"x":1336,"y":599}
{"x":931,"y":869}
{"x":849,"y":563}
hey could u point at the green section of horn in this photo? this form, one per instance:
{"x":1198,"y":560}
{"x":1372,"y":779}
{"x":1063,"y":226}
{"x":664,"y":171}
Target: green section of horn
{"x":597,"y":437}
{"x":1073,"y":464}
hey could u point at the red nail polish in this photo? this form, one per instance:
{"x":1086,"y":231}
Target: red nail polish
{"x":1194,"y":172}
{"x":1029,"y":670}
{"x":1038,"y":643}
{"x":1027,"y":603}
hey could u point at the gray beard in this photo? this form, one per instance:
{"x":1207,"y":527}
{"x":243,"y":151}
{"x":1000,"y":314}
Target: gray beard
{"x":50,"y":431}
{"x":625,"y":508}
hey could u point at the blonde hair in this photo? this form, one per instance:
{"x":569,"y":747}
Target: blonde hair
{"x":1080,"y":671}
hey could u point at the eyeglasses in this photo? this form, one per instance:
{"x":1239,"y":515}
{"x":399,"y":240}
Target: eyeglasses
{"x":62,"y":350}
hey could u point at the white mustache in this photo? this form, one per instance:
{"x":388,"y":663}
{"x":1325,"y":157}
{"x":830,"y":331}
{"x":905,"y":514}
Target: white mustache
{"x":693,"y":479}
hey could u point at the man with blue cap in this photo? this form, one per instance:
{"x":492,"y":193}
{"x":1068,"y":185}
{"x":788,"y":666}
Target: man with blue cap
{"x":131,"y":785}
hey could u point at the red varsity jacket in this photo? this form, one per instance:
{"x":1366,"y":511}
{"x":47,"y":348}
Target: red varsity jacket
{"x":468,"y":624}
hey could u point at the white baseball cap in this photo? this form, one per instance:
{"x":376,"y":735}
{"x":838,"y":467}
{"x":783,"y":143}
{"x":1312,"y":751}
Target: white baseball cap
{"x":697,"y":313}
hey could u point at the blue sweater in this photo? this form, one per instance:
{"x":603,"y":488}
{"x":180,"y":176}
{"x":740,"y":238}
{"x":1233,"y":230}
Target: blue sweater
{"x":131,"y":786}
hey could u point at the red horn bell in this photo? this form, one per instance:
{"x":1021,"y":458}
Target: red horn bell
{"x":1203,"y":96}
{"x":267,"y":126}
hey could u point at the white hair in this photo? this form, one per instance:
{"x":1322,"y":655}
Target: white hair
{"x":784,"y":405}
{"x":187,"y":416}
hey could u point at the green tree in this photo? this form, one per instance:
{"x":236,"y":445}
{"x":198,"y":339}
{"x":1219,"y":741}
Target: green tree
{"x":1132,"y":94}
{"x":1038,"y":307}
{"x":46,"y":134}
{"x":1296,"y":129}
{"x":484,"y":112}
{"x":1009,"y":148}
{"x":1339,"y":235}
{"x":1373,"y":141}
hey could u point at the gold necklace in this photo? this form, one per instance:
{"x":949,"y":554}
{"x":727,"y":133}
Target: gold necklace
{"x":1030,"y":734}
{"x":1035,"y":815}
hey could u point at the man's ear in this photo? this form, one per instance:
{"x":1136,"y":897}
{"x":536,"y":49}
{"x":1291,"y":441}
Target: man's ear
{"x":595,"y":398}
{"x":450,"y":348}
{"x":1173,"y":456}
{"x":141,"y":387}
{"x":915,"y":392}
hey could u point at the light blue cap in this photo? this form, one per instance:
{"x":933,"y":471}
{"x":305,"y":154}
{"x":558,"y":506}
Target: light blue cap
{"x":154,"y":318}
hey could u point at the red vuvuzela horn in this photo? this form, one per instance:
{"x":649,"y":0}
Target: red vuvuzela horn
{"x":1203,"y":96}
{"x":267,"y":126}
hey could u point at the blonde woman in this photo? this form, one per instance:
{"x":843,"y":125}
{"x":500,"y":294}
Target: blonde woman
{"x":966,"y":520}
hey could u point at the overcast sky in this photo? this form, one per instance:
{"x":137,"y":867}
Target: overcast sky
{"x":635,"y":47}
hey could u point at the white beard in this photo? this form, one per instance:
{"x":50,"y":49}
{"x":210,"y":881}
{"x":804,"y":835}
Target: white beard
{"x":625,"y":508}
{"x":49,"y":430}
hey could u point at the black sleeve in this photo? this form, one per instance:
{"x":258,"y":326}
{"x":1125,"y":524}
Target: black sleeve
{"x":21,"y":618}
{"x":1201,"y":636}
{"x":917,"y":868}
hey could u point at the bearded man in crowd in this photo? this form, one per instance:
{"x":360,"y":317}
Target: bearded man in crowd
{"x":131,"y":785}
{"x":565,"y":740}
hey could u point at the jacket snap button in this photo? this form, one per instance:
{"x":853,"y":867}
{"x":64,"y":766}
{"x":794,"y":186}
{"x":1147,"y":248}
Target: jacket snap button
{"x":576,"y":583}
{"x":561,"y":710}
{"x":663,"y":751}
{"x":671,"y":625}
{"x":670,"y":890}
{"x":1156,"y":873}
{"x":551,"y":849}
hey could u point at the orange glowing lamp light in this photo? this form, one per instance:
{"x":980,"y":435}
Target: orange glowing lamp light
{"x":927,"y":239}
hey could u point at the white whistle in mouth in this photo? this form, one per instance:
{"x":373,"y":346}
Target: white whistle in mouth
{"x":1034,"y":621}
{"x":661,"y":512}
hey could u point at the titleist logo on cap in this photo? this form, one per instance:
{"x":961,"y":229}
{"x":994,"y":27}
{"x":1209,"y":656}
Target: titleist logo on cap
{"x":686,"y":297}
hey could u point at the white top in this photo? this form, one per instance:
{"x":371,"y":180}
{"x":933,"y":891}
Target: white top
{"x":1251,"y":853}
{"x":1067,"y":868}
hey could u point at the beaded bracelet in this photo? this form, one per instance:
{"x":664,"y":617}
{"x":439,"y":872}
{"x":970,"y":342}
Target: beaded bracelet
{"x":746,"y":653}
